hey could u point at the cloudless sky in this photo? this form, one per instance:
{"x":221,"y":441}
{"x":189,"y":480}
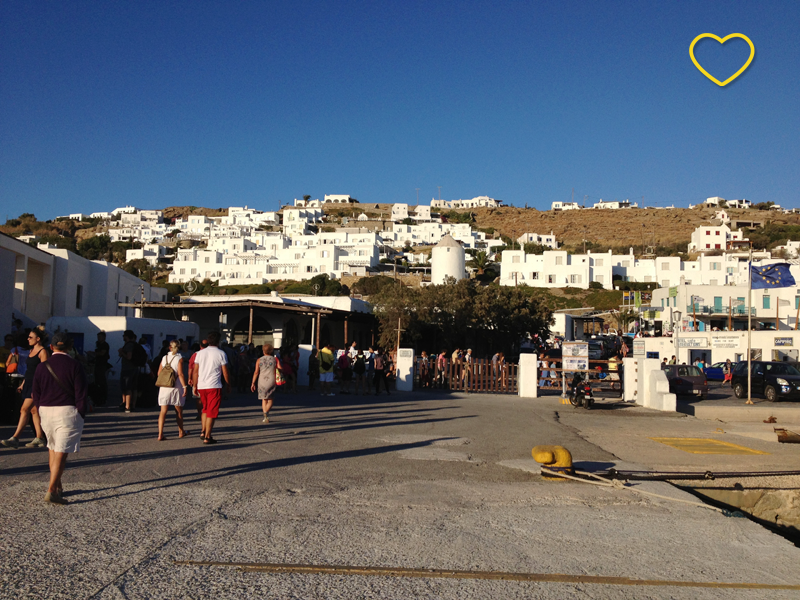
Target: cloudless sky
{"x":163,"y":103}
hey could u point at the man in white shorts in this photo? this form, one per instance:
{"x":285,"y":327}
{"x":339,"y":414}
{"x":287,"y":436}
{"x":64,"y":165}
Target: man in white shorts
{"x":59,"y":392}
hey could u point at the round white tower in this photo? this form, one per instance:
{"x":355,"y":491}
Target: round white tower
{"x":447,"y":260}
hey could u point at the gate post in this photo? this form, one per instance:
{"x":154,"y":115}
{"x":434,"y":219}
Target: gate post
{"x":405,"y":369}
{"x":527,"y":381}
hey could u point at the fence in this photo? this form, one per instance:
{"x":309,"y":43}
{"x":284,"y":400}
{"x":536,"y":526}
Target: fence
{"x":478,"y":375}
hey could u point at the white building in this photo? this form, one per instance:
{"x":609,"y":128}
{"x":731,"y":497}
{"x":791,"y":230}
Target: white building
{"x":447,"y":260}
{"x":792,"y":249}
{"x":557,"y":206}
{"x":542,"y":240}
{"x":614,"y":205}
{"x":339,"y":199}
{"x":152,"y":253}
{"x":432,"y":233}
{"x":554,"y":268}
{"x":124,"y":210}
{"x":399,"y":212}
{"x":240,"y":261}
{"x":297,"y":221}
{"x":477,"y":202}
{"x":739,"y":203}
{"x":422,"y":214}
{"x":712,"y":305}
{"x":713,"y":237}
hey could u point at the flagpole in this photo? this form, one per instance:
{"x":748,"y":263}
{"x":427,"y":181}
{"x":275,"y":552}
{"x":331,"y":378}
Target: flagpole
{"x":797,"y":317}
{"x":778,"y":313}
{"x":749,"y":325}
{"x":730,"y":313}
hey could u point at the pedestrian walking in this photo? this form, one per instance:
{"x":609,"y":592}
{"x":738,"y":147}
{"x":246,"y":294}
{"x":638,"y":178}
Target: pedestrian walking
{"x":28,"y":411}
{"x":171,"y":384}
{"x":359,"y":372}
{"x":265,"y":379}
{"x":344,"y":363}
{"x":727,"y":372}
{"x":326,"y":363}
{"x":380,"y":363}
{"x":129,"y":371}
{"x":313,"y":369}
{"x":59,"y":392}
{"x":102,"y":354}
{"x":210,"y":373}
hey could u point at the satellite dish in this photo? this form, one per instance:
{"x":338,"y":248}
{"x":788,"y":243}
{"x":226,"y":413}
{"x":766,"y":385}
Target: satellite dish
{"x":190,"y":287}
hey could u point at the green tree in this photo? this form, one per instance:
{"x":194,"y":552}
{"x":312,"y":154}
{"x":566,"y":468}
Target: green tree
{"x":480,"y":261}
{"x":96,"y":247}
{"x":458,"y":314}
{"x":534,"y":248}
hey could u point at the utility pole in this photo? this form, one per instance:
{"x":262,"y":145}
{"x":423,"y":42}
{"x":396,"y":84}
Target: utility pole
{"x":399,"y":330}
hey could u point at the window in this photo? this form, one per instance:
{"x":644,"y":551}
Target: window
{"x":716,"y":246}
{"x":515,"y":259}
{"x":324,"y":254}
{"x":208,"y":259}
{"x":765,"y":302}
{"x":730,"y":270}
{"x":180,"y":272}
{"x":648,"y":278}
{"x":194,"y":271}
{"x":551,"y":279}
{"x":79,"y":296}
{"x":708,"y":232}
{"x":797,"y":302}
{"x":715,"y":266}
{"x":665,"y":266}
{"x":574,"y":278}
{"x":559,"y":260}
{"x":535,"y":275}
{"x":598,"y":262}
{"x":626,"y":263}
{"x":665,"y":283}
{"x":708,"y":246}
{"x":717,"y":233}
{"x":309,"y":269}
{"x":712,"y":282}
{"x":598,"y":278}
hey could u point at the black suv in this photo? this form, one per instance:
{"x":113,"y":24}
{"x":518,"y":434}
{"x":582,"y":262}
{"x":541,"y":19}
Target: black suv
{"x":776,"y":380}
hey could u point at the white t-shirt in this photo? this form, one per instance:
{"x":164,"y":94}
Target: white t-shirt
{"x":209,"y":363}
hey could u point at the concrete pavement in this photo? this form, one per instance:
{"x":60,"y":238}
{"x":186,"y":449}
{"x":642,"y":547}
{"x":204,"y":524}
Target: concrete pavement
{"x":412,"y":480}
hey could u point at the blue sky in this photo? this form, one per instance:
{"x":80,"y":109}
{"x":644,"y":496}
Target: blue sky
{"x":104,"y":104}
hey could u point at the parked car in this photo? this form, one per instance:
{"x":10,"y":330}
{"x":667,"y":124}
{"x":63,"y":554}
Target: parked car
{"x":775,"y":380}
{"x":596,"y":350}
{"x":685,"y":380}
{"x":714,"y":372}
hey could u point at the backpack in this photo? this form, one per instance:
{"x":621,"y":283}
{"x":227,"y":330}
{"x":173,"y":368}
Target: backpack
{"x":379,"y":362}
{"x":344,"y":362}
{"x":166,"y":378}
{"x":360,"y":365}
{"x":138,"y":356}
{"x":324,"y":363}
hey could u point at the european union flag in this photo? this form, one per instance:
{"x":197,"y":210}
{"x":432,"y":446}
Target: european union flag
{"x":771,"y":276}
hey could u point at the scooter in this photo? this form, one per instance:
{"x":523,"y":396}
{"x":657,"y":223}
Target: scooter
{"x":581,"y":392}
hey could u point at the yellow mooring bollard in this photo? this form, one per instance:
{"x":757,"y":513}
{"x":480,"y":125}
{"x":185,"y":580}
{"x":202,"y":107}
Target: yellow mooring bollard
{"x":556,"y":458}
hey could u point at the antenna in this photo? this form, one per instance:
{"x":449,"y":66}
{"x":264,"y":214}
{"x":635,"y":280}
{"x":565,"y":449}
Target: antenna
{"x":417,"y":195}
{"x":440,"y":191}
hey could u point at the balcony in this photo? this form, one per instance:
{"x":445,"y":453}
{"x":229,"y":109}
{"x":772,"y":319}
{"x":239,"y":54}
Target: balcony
{"x":705,"y":309}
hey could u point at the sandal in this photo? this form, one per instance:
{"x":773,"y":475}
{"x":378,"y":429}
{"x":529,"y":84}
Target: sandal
{"x":209,"y":440}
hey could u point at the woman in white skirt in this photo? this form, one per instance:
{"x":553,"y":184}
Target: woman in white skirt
{"x":172,"y":396}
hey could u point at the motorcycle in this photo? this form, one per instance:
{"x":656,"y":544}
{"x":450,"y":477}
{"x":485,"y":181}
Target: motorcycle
{"x":581,"y":392}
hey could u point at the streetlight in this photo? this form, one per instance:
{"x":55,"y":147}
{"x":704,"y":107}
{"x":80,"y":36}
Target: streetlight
{"x":676,"y":319}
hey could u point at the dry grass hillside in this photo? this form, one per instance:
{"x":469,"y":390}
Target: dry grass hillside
{"x":618,"y":229}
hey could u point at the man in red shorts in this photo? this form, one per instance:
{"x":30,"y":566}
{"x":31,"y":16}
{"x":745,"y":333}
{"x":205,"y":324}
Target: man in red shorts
{"x":210,"y":370}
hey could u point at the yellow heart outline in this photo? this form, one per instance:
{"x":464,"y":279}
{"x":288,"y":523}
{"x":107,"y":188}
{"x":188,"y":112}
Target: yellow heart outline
{"x":722,"y":41}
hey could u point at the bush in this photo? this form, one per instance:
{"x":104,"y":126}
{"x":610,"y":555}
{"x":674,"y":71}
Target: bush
{"x":595,"y":285}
